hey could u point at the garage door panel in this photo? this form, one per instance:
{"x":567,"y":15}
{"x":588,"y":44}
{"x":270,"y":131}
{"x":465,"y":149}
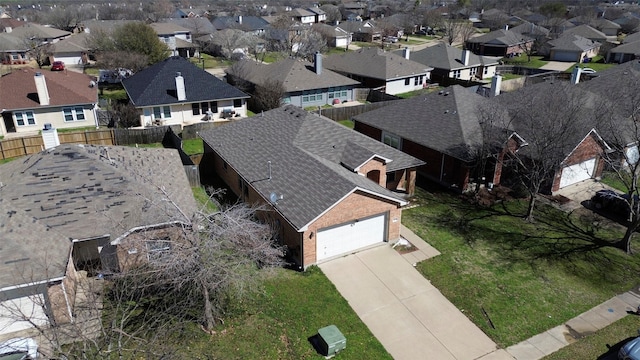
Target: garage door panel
{"x":578,"y":172}
{"x":350,"y":236}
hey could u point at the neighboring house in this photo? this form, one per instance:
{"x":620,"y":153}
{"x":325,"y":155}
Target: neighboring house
{"x":378,"y":69}
{"x":572,"y":48}
{"x":319,"y":15}
{"x":197,"y":26}
{"x":15,"y":43}
{"x":532,"y":30}
{"x":39,"y":33}
{"x":302,"y":16}
{"x":192,"y":13}
{"x":588,"y":32}
{"x":607,"y":27}
{"x":177,"y":38}
{"x":336,"y":36}
{"x":363,"y":31}
{"x":449,"y":62}
{"x":31,"y":98}
{"x":329,"y":190}
{"x":79,"y":198}
{"x":177,"y":92}
{"x":254,"y":24}
{"x":13,"y":50}
{"x":625,"y":52}
{"x":358,"y":9}
{"x":305,"y":84}
{"x":440,"y":128}
{"x":73,"y":50}
{"x":500,"y":43}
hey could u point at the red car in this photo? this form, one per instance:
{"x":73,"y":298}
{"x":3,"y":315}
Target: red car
{"x":57,"y":66}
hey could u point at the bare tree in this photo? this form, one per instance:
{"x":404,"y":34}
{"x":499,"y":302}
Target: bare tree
{"x":229,"y":41}
{"x":268,"y":95}
{"x":453,"y":29}
{"x":64,"y":18}
{"x":333,"y":13}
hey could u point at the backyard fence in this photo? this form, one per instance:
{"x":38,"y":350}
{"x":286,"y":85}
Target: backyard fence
{"x":11,"y":148}
{"x":347,"y":112}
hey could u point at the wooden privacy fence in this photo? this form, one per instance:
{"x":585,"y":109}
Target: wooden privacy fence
{"x":10,"y":148}
{"x":347,"y":112}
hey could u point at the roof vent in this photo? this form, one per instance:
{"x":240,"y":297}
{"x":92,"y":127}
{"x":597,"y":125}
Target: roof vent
{"x":440,"y":92}
{"x":446,"y":111}
{"x":446,"y":93}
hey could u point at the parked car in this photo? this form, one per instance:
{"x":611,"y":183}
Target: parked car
{"x":588,"y":71}
{"x":392,"y":39}
{"x":19,"y":349}
{"x":57,"y":66}
{"x":613,"y":203}
{"x":630,"y":350}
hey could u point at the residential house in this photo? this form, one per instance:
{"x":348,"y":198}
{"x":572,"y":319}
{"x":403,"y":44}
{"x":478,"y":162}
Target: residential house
{"x":79,"y":198}
{"x":177,"y":38}
{"x":330,"y":191}
{"x":39,"y":33}
{"x":572,"y":48}
{"x":302,"y":16}
{"x":190,"y":13}
{"x":198,"y":26}
{"x":177,"y":92}
{"x":319,"y":15}
{"x":532,"y":30}
{"x":354,"y":11}
{"x":15,"y":43}
{"x":441,"y":128}
{"x":305,"y":84}
{"x":31,"y":98}
{"x":73,"y":51}
{"x":13,"y":50}
{"x":336,"y":36}
{"x":254,"y":24}
{"x":607,"y":27}
{"x":625,"y":52}
{"x":588,"y":32}
{"x":378,"y":69}
{"x":364,"y":31}
{"x":501,"y":42}
{"x":8,"y":24}
{"x":451,"y":63}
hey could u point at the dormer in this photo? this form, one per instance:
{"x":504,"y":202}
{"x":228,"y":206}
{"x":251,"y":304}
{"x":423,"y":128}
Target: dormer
{"x":365,"y":162}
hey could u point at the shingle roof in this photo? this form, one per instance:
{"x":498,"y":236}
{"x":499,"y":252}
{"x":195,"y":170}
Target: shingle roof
{"x":357,"y":27}
{"x":500,"y":37}
{"x":445,"y":56}
{"x":627,"y":48}
{"x":106,"y":26}
{"x":305,"y":151}
{"x":374,"y":63}
{"x":164,"y":28}
{"x":197,"y":26}
{"x":301,"y":12}
{"x":294,"y":74}
{"x":447,"y":122}
{"x":250,"y":23}
{"x":38,"y":31}
{"x":73,"y":43}
{"x":586,"y":31}
{"x":531,"y":29}
{"x":572,"y":42}
{"x":156,"y":85}
{"x":631,"y":38}
{"x":18,"y":89}
{"x":83,"y":191}
{"x":11,"y":42}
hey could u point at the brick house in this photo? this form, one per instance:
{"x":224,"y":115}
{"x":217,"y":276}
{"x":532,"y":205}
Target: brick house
{"x":329,"y":190}
{"x":583,"y":163}
{"x":62,"y":209}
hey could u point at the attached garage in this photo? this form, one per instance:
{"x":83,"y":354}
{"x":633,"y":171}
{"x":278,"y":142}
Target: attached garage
{"x":578,"y":172}
{"x":350,"y":236}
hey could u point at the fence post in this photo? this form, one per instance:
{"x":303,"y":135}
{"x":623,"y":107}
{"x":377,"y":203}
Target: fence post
{"x":2,"y":151}
{"x":24,"y":146}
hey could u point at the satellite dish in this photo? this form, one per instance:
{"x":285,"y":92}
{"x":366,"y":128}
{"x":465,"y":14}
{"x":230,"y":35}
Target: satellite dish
{"x":275,"y":197}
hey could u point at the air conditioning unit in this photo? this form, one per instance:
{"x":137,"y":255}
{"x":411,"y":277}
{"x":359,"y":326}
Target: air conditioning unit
{"x":331,"y":340}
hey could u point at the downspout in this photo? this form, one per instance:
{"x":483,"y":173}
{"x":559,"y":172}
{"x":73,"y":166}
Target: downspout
{"x":442,"y":168}
{"x":66,"y":300}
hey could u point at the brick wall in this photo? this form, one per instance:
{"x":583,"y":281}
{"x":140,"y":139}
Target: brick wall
{"x":375,"y":165}
{"x":588,"y":148}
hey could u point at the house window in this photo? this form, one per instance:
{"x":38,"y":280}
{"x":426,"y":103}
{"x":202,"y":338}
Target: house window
{"x":416,"y":81}
{"x":202,"y":108}
{"x":214,"y":106}
{"x":455,"y":74}
{"x":237,"y":103}
{"x":391,"y":140}
{"x":73,"y":114}
{"x":312,"y":96}
{"x":157,"y":249}
{"x":162,"y":112}
{"x":473,"y":71}
{"x":407,"y":81}
{"x":486,"y":70}
{"x":25,"y":118}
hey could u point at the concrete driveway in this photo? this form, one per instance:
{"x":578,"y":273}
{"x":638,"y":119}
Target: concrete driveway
{"x":407,"y":314}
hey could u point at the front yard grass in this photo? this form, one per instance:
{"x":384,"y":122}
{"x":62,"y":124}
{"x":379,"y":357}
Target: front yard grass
{"x":611,"y":179}
{"x":603,"y":342}
{"x":527,"y":277}
{"x":278,"y":323}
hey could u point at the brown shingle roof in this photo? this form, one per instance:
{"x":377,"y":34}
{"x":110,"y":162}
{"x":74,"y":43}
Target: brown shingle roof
{"x":18,"y":89}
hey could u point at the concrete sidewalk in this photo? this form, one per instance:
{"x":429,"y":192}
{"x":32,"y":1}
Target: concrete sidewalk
{"x":557,"y":65}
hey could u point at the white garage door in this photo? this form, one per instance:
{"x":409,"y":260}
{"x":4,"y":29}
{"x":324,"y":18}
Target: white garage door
{"x":565,"y":56}
{"x":578,"y":172}
{"x":350,"y":236}
{"x":14,"y":314}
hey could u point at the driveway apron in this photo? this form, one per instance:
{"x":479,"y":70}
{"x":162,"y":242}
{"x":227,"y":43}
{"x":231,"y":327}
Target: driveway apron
{"x":408,"y":315}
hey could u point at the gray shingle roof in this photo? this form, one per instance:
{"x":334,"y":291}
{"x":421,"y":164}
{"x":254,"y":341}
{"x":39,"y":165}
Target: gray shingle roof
{"x":445,"y":56}
{"x":500,"y":37}
{"x":586,"y":31}
{"x":375,"y":63}
{"x":156,"y":85}
{"x":305,"y":151}
{"x":38,"y":31}
{"x":627,"y":48}
{"x":249,"y":23}
{"x":83,"y":191}
{"x":447,"y":122}
{"x":294,"y":74}
{"x":572,"y":42}
{"x":530,"y":29}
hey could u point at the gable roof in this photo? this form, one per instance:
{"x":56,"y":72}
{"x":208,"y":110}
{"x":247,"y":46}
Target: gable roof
{"x":84,"y":191}
{"x":250,"y":23}
{"x":305,"y":151}
{"x":631,"y":38}
{"x":74,"y":43}
{"x":627,"y":48}
{"x":11,"y":42}
{"x":447,"y":57}
{"x":500,"y":37}
{"x":294,"y":74}
{"x":106,"y":26}
{"x":358,"y":27}
{"x":18,"y":89}
{"x":572,"y":42}
{"x":531,"y":29}
{"x":375,"y":63}
{"x":588,"y":32}
{"x":446,"y":121}
{"x":38,"y":31}
{"x":156,"y":85}
{"x":168,"y":28}
{"x":196,"y":25}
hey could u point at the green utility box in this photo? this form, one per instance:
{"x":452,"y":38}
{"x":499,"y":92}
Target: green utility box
{"x":331,"y":340}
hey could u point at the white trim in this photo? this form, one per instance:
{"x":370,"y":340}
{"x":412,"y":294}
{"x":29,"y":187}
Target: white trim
{"x":593,"y":130}
{"x":31,"y":284}
{"x":119,"y":239}
{"x":66,"y":300}
{"x":386,"y":161}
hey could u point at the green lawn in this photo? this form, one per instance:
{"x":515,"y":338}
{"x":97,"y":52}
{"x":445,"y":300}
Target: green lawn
{"x":210,"y":61}
{"x":527,"y":277}
{"x":193,"y":146}
{"x":614,"y":181}
{"x":203,"y":199}
{"x":603,"y":342}
{"x":278,"y":323}
{"x":522,"y":60}
{"x":510,"y":76}
{"x":347,"y":123}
